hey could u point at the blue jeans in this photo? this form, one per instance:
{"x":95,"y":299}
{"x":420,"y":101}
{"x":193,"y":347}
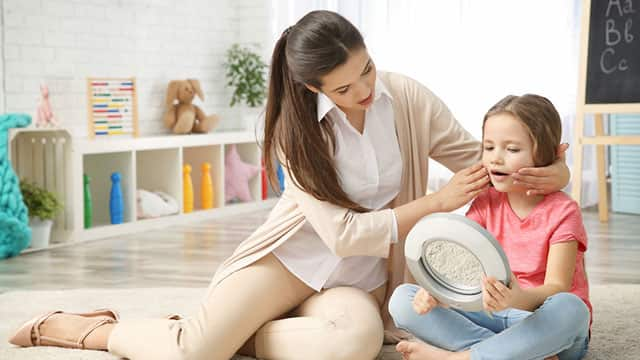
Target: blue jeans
{"x":560,"y":326}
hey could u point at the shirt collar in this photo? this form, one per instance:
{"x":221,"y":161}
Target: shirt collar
{"x":325,"y":105}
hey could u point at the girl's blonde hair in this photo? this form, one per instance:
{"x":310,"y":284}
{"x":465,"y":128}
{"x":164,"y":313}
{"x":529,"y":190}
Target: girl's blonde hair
{"x":540,"y":118}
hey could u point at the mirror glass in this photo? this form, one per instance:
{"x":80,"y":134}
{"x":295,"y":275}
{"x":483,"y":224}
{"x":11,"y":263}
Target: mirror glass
{"x":453,"y":266}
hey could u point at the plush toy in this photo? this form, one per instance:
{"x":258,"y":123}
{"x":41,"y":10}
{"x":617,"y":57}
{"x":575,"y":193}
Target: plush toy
{"x":237,"y":174}
{"x":15,"y":234}
{"x":184,"y":117}
{"x":155,"y":204}
{"x":44,"y":115}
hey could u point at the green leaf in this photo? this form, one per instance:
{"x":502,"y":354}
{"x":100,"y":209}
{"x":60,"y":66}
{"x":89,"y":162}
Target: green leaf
{"x":245,"y":74}
{"x":40,"y":202}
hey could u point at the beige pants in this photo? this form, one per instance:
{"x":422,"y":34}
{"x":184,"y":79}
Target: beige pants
{"x":289,"y":320}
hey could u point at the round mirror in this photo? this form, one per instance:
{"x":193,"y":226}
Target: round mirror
{"x":453,"y":266}
{"x":447,"y":254}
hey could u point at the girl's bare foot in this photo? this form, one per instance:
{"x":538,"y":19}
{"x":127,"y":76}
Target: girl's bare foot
{"x":418,"y":350}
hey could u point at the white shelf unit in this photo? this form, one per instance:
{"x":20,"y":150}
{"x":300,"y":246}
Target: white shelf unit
{"x":55,"y":160}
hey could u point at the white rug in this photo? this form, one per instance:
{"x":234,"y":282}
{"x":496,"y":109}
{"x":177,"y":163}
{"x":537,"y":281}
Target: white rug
{"x":616,"y":328}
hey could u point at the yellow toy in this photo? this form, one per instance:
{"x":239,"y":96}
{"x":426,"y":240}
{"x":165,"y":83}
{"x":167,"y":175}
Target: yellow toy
{"x":206,"y":187}
{"x":187,"y":189}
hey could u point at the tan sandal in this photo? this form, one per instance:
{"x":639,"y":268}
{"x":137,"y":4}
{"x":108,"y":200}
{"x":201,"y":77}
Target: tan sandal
{"x":29,"y":333}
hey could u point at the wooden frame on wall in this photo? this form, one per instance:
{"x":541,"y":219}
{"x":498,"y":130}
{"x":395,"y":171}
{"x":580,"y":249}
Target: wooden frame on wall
{"x":112,"y":106}
{"x":586,"y":106}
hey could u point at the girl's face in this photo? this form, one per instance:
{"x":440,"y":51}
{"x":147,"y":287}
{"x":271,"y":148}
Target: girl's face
{"x":507,"y":147}
{"x":351,"y":85}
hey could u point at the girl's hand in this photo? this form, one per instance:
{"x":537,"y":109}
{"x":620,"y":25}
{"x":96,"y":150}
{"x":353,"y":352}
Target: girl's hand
{"x":465,"y":185}
{"x":496,"y":296}
{"x":423,"y":302}
{"x":545,"y":180}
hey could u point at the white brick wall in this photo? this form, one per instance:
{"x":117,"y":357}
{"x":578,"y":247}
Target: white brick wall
{"x":255,"y":21}
{"x":62,"y":43}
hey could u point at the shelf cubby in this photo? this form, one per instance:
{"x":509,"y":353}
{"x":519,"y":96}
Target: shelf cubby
{"x":196,"y":156}
{"x":250,"y":153}
{"x":99,"y":167}
{"x":159,"y":170}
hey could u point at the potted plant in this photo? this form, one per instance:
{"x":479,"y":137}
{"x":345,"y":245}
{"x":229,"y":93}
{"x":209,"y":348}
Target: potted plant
{"x":246,"y":75}
{"x":43,"y":206}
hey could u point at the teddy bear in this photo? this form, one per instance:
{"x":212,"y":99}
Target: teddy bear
{"x":184,"y":117}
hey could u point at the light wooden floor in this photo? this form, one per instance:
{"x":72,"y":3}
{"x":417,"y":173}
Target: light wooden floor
{"x":187,"y":256}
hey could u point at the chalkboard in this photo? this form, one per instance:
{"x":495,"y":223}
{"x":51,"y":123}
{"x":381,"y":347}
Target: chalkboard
{"x":613,"y":62}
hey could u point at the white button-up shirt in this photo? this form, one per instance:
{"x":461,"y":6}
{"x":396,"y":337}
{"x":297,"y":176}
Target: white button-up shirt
{"x":369,"y":167}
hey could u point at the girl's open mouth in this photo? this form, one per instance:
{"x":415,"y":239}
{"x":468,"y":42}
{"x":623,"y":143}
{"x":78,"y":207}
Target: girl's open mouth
{"x":499,"y":175}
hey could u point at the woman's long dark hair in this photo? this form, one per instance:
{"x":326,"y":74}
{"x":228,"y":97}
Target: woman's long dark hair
{"x":313,"y":47}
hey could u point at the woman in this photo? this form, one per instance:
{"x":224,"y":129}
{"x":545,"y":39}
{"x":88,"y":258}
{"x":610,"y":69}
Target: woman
{"x":310,"y":282}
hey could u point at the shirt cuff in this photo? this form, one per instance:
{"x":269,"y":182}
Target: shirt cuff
{"x":394,"y":231}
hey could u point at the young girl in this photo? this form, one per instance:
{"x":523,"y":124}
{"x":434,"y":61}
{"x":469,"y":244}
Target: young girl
{"x":546,"y":311}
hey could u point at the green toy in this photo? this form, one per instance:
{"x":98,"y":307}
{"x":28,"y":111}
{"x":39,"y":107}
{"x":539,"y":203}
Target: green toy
{"x":88,"y":207}
{"x":15,"y":234}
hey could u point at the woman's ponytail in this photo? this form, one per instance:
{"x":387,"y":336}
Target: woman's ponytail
{"x":317,"y":44}
{"x":278,"y":79}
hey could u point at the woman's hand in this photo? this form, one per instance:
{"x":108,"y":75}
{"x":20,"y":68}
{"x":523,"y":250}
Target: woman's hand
{"x":496,"y":296}
{"x":465,"y":185}
{"x":423,"y":302}
{"x":545,"y":180}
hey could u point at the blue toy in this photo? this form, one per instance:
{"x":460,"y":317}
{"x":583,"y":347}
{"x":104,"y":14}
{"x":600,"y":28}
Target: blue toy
{"x":280,"y":174}
{"x":116,"y":201}
{"x":15,"y":234}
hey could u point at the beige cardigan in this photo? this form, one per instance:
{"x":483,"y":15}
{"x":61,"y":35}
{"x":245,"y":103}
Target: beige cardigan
{"x":425,"y":128}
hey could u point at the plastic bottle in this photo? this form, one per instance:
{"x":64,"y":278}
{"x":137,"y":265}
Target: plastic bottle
{"x":88,"y":207}
{"x":187,"y":189}
{"x":206,"y":187}
{"x":116,"y":201}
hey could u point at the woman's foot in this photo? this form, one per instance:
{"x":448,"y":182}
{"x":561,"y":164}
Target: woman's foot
{"x":418,"y":350}
{"x":82,"y":331}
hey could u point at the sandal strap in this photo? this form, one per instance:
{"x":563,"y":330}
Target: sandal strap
{"x":83,"y":336}
{"x":100,"y":312}
{"x":61,"y":342}
{"x":36,"y":326}
{"x":114,"y":314}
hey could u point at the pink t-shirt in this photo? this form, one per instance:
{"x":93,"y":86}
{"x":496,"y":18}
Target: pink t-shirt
{"x":526,"y":242}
